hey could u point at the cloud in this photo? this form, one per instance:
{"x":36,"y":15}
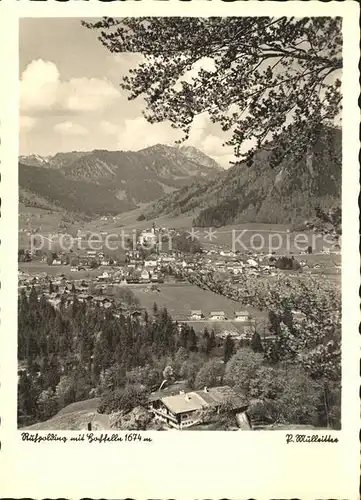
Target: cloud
{"x":120,"y":64}
{"x":38,"y":86}
{"x":70,"y":128}
{"x":42,"y":91}
{"x":199,"y":125}
{"x":203,"y":135}
{"x":212,"y":145}
{"x":87,"y":94}
{"x":26,"y":123}
{"x":108,"y":128}
{"x":137,"y":133}
{"x":206,"y":63}
{"x":110,"y":121}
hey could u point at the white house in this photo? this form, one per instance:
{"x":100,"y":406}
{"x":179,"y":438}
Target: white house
{"x":196,"y":315}
{"x":186,"y":409}
{"x":150,"y":263}
{"x":217,"y":316}
{"x":104,"y":277}
{"x":226,"y":253}
{"x":242,"y":316}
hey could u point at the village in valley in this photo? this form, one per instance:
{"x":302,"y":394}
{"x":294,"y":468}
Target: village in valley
{"x":152,"y":276}
{"x":100,"y":277}
{"x":180,"y":224}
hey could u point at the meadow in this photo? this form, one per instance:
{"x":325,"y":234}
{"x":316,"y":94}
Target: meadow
{"x":43,"y":267}
{"x":181,"y":300}
{"x":255,"y":237}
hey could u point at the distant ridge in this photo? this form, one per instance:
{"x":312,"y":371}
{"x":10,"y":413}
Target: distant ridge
{"x":103,"y":182}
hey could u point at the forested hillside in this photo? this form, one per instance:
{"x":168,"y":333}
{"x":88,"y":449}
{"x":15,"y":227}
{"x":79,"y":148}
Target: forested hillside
{"x":79,"y":352}
{"x":258,"y":193}
{"x":71,"y":195}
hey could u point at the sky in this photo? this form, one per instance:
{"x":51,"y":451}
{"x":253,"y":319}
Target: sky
{"x":70,"y":97}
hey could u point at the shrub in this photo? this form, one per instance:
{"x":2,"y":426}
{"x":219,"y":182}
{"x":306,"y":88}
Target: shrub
{"x":136,"y":420}
{"x":124,"y":400}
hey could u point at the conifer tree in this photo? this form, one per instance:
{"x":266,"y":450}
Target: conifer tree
{"x":228,"y":348}
{"x":256,"y":343}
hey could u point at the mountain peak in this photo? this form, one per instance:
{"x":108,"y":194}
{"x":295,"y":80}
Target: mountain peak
{"x":122,"y":179}
{"x":195,"y":154}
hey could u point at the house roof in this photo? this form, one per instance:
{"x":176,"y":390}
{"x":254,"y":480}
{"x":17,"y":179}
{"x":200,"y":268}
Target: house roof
{"x":181,"y":403}
{"x":207,"y":397}
{"x":196,"y":312}
{"x":225,"y":393}
{"x":217,"y":313}
{"x":198,"y":400}
{"x":173,"y":390}
{"x":241,"y":313}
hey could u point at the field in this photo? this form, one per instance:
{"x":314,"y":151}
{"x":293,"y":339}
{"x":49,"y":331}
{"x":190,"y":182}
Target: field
{"x":42,"y":267}
{"x":128,"y":221}
{"x":243,"y":237}
{"x":85,"y":405}
{"x":75,"y":416}
{"x":44,"y":221}
{"x":181,"y":299}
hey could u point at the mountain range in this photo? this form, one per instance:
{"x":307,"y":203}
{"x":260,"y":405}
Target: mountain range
{"x":174,"y":181}
{"x":103,"y":182}
{"x":287,"y":193}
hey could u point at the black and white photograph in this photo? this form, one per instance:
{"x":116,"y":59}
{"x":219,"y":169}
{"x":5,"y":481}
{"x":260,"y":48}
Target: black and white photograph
{"x":179,"y":224}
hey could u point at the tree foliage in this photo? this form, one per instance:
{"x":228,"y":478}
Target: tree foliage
{"x":267,"y":79}
{"x":287,"y":395}
{"x":80,"y":351}
{"x":124,"y":400}
{"x":137,"y":419}
{"x":242,"y":368}
{"x":228,"y":348}
{"x":210,"y":374}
